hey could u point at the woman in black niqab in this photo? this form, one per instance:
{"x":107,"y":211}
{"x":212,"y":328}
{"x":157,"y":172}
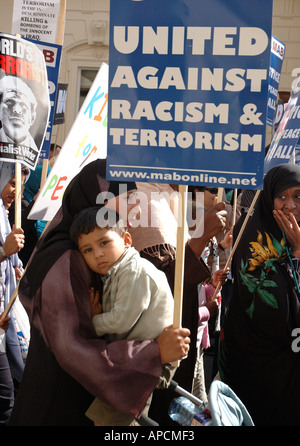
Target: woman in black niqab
{"x":256,"y":357}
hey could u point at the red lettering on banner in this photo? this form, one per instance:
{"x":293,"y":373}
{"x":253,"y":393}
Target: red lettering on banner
{"x":21,"y":68}
{"x":57,"y":188}
{"x":10,"y":65}
{"x":2,"y":62}
{"x":49,"y":56}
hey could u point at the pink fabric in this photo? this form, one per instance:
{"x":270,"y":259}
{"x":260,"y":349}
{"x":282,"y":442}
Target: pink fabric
{"x":209,"y":291}
{"x":204,"y":315}
{"x":203,"y":318}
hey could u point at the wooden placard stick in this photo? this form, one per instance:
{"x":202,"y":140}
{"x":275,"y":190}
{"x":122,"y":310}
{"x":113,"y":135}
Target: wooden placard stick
{"x":238,"y":239}
{"x":44,"y":172}
{"x":220,"y":195}
{"x":234,"y":206}
{"x":18,"y":198}
{"x":180,"y":257}
{"x":12,"y":300}
{"x":61,"y":22}
{"x":18,"y":194}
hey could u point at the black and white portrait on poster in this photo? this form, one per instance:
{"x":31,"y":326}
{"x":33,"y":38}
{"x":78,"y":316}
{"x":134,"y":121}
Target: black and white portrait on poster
{"x":24,"y":100}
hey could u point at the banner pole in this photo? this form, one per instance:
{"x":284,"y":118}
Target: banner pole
{"x":238,"y":239}
{"x":44,"y":172}
{"x":180,"y":257}
{"x":18,"y":194}
{"x":61,"y":22}
{"x":12,"y":300}
{"x":234,"y":206}
{"x":220,"y":195}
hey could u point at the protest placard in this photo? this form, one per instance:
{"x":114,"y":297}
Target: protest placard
{"x":60,"y":104}
{"x":279,"y":112}
{"x":86,"y":141}
{"x":33,"y":19}
{"x":43,"y":24}
{"x":188,"y":90}
{"x":277,"y":56}
{"x":24,"y":104}
{"x":52,"y":55}
{"x":295,"y":158}
{"x":37,"y":20}
{"x":288,"y":132}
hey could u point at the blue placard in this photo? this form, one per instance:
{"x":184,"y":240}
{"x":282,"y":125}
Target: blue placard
{"x":52,"y":55}
{"x":288,"y":132}
{"x":188,"y":87}
{"x":277,"y":56}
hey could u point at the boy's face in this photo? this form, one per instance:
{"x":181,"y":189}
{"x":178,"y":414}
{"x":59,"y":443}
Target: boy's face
{"x":102,"y":248}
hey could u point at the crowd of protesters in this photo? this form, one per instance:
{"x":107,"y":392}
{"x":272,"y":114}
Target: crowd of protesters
{"x":77,"y":372}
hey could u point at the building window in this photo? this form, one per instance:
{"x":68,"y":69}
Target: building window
{"x":87,"y":77}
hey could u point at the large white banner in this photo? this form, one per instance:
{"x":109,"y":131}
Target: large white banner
{"x":86,"y":141}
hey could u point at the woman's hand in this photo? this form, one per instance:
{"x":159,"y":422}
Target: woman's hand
{"x":213,"y":307}
{"x":227,"y":240}
{"x":4,"y":323}
{"x":18,"y":273}
{"x":219,"y":276}
{"x":14,"y":241}
{"x":214,"y":222}
{"x":289,"y":225}
{"x":95,"y":301}
{"x":173,"y":344}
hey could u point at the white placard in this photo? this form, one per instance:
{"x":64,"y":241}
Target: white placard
{"x":36,"y":20}
{"x":86,"y":141}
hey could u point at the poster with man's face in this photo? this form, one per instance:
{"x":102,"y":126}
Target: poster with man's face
{"x":24,"y":100}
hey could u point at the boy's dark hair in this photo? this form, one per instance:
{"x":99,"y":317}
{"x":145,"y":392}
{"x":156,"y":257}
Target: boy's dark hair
{"x":91,"y":218}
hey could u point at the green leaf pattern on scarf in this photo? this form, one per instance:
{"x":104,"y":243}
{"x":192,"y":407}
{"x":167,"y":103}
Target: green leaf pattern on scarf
{"x":262,"y":260}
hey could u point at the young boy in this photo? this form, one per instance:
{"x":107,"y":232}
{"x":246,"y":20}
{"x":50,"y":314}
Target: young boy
{"x":137,"y":302}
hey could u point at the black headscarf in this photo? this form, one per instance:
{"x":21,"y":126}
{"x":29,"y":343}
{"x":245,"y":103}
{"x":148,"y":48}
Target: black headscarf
{"x":81,"y":193}
{"x":278,"y":179}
